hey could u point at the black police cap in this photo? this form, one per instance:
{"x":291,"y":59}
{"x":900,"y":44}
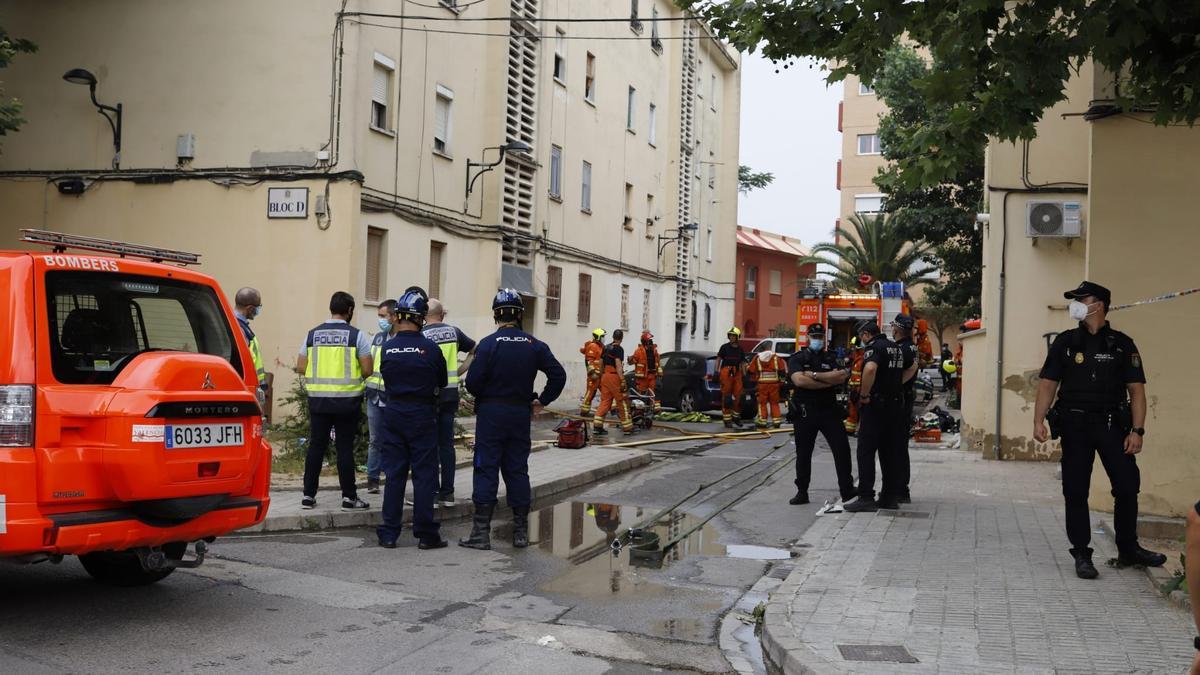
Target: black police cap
{"x":1087,"y":288}
{"x":904,"y":321}
{"x":816,"y":329}
{"x":866,"y":326}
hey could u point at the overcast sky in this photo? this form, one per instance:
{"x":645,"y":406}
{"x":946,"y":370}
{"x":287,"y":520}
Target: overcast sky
{"x":789,"y":127}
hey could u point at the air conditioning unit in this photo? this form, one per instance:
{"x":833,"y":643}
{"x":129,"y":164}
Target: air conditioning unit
{"x":1053,"y":219}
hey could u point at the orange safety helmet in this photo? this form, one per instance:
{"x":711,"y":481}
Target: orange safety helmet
{"x":647,"y":336}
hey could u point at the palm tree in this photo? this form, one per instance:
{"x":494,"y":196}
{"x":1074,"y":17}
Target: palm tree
{"x":874,"y":249}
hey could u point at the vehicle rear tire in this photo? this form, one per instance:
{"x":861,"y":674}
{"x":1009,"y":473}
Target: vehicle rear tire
{"x":122,"y":568}
{"x":687,"y":401}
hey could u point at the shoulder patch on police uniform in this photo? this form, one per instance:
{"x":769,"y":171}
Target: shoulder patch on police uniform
{"x":1079,"y":357}
{"x":1136,"y":360}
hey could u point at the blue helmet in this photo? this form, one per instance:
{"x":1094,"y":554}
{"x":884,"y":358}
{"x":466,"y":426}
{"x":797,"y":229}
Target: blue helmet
{"x":418,"y":290}
{"x":412,"y":306}
{"x":507,"y":305}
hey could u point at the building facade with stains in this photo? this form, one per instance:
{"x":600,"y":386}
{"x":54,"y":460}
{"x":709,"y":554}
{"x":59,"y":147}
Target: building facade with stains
{"x":1109,"y":197}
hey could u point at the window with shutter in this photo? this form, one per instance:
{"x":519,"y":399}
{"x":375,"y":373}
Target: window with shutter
{"x":652,"y":131}
{"x":589,"y":83}
{"x":553,"y":293}
{"x":556,"y":172}
{"x":380,"y":88}
{"x":645,"y":309}
{"x":437,"y":254}
{"x":630,"y":110}
{"x":625,"y":306}
{"x":776,"y":282}
{"x":560,"y":55}
{"x":585,"y":299}
{"x":442,"y":120}
{"x":751,"y":282}
{"x":375,"y":248}
{"x":586,"y":198}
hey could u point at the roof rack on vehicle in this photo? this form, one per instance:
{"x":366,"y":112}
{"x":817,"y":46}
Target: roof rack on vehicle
{"x":61,"y":242}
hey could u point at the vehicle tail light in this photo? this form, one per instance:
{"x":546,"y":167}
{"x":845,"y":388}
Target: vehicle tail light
{"x":50,"y":536}
{"x":16,"y":415}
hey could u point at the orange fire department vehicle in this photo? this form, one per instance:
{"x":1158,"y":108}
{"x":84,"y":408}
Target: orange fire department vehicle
{"x":129,"y":422}
{"x":839,"y":311}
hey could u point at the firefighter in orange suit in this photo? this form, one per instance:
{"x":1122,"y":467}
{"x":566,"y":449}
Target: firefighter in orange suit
{"x":613,"y":387}
{"x":731,"y":363}
{"x":924,"y":346}
{"x":855,"y":381}
{"x":769,"y":370}
{"x":647,"y":367}
{"x":592,"y":351}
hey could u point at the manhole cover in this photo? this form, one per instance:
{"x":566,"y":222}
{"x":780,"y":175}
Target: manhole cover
{"x":912,"y":514}
{"x":877,"y":653}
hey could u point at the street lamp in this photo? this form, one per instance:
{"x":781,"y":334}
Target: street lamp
{"x":484,"y":167}
{"x":663,"y":241}
{"x":81,"y":76}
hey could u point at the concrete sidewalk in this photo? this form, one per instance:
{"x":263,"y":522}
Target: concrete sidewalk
{"x":975,"y":577}
{"x":551,"y":472}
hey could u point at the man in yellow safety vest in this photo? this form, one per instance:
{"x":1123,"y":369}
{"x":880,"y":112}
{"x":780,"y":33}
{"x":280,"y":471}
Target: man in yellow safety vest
{"x":335,"y":359}
{"x":452,"y":342}
{"x":247,"y":306}
{"x":377,"y":396}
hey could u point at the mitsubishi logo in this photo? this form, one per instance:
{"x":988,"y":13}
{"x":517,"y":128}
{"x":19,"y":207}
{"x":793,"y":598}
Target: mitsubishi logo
{"x":208,"y":384}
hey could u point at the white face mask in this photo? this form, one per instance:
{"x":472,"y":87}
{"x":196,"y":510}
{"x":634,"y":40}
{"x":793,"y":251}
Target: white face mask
{"x":1078,"y":310}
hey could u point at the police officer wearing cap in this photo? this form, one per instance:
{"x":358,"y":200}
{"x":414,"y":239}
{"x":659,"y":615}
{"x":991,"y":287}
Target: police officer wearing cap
{"x":880,"y":407}
{"x":816,"y":374}
{"x":1096,"y":373}
{"x":501,"y":379}
{"x":414,"y":371}
{"x":902,"y":335}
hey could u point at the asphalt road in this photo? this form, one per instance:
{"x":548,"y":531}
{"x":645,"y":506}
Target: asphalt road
{"x":335,"y":602}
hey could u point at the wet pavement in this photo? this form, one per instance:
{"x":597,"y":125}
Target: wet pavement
{"x":335,"y":601}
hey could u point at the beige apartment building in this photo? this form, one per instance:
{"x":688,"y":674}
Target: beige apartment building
{"x":862,"y":158}
{"x":303,"y":150}
{"x":1101,"y":195}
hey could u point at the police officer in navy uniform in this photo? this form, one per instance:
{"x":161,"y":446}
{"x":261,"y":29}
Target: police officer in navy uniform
{"x":816,"y":374}
{"x":902,"y":335}
{"x":501,"y":379}
{"x":1097,"y":375}
{"x":880,"y":408}
{"x":414,"y":370}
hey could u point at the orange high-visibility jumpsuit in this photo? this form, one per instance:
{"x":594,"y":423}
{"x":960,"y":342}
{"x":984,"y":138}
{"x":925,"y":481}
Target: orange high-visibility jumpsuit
{"x":854,"y":383}
{"x":647,"y":368}
{"x":730,"y":361}
{"x":592,"y":351}
{"x":612,"y":390}
{"x":924,"y":346}
{"x":769,"y":374}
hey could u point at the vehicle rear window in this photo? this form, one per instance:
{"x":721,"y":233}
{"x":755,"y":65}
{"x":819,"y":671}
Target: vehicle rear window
{"x":785,"y":348}
{"x":99,"y":321}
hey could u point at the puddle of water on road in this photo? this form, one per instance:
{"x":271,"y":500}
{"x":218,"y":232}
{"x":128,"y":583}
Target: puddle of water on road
{"x":757,"y":552}
{"x":582,"y":534}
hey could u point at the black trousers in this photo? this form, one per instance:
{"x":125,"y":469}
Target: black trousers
{"x":827,"y":421}
{"x":1084,"y":435}
{"x":345,"y":425}
{"x":903,"y":430}
{"x":877,"y":436}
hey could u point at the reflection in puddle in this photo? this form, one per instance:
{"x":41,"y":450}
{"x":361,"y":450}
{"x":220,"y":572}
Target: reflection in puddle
{"x":582,"y":533}
{"x":682,"y":629}
{"x":757,"y":552}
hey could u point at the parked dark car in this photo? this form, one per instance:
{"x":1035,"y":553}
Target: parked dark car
{"x":689,"y":384}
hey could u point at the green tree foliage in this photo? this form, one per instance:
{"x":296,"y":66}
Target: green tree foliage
{"x":873,"y":248}
{"x":942,"y":318}
{"x":10,"y":109}
{"x":1002,"y":64}
{"x":942,"y":215}
{"x":749,"y":179}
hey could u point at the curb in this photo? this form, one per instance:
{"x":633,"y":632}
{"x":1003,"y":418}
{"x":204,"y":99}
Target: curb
{"x":783,"y":651}
{"x":373,"y":517}
{"x":1159,"y":577}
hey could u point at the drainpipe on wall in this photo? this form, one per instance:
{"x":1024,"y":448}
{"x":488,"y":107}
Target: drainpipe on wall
{"x":1003,"y":273}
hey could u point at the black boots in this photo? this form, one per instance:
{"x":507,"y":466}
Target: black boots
{"x":800,"y":498}
{"x":520,"y":527}
{"x":1140,"y":556}
{"x":1084,"y":569}
{"x":481,"y":529}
